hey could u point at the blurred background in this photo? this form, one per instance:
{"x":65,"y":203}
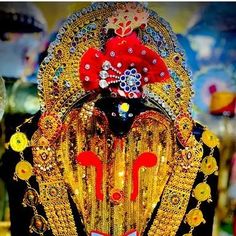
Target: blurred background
{"x":207,"y":33}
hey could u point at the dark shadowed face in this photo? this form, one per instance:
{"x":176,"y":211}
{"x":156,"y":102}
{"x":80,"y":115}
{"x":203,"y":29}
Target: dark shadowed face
{"x":120,"y":112}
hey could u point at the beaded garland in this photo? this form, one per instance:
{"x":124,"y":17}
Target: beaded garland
{"x":115,"y":182}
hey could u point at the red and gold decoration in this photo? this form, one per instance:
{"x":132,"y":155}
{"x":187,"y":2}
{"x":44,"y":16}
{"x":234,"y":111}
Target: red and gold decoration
{"x":128,"y":18}
{"x":184,"y":128}
{"x":124,"y":69}
{"x":123,"y":51}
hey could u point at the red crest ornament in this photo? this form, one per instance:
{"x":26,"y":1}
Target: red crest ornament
{"x":124,"y":68}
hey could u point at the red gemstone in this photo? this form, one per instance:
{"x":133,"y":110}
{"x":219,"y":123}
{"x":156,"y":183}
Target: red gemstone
{"x":116,"y":196}
{"x":59,"y":54}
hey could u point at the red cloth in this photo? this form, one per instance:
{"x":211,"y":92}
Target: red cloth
{"x":125,"y":51}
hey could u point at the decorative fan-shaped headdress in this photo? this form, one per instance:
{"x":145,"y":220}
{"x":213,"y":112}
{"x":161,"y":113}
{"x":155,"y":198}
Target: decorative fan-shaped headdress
{"x":83,"y":60}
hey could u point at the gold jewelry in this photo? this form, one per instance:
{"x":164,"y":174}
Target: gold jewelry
{"x":117,"y":170}
{"x":24,"y":171}
{"x":177,"y":193}
{"x":53,"y":192}
{"x":202,"y":191}
{"x":115,"y":182}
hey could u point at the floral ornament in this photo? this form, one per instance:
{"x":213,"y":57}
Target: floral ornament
{"x":50,"y":125}
{"x":128,"y":18}
{"x":124,"y":68}
{"x":184,"y":126}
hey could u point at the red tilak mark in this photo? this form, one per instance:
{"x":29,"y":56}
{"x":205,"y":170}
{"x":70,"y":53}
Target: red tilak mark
{"x":145,"y":159}
{"x":91,"y":159}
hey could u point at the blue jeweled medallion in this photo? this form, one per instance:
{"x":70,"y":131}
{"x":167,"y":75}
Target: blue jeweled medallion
{"x":130,"y":81}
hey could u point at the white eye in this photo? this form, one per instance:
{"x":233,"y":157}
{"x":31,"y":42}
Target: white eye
{"x":130,"y":115}
{"x":113,"y":114}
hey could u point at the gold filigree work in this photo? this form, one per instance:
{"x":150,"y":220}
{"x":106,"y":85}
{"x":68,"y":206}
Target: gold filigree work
{"x":150,"y":132}
{"x":115,"y":182}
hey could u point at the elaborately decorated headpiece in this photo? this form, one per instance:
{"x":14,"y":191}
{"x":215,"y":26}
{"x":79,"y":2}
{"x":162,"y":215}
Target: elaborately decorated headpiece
{"x":126,"y":63}
{"x":143,"y":60}
{"x":130,"y":53}
{"x":88,"y":60}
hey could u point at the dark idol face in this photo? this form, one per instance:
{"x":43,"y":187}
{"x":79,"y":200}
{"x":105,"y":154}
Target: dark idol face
{"x":120,"y":112}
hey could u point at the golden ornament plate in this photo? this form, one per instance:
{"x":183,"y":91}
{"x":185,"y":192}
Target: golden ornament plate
{"x":210,"y":139}
{"x":202,"y":192}
{"x":18,"y":142}
{"x":24,"y":170}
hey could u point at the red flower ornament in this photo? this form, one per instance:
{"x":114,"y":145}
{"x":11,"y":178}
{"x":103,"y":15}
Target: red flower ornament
{"x":124,"y":68}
